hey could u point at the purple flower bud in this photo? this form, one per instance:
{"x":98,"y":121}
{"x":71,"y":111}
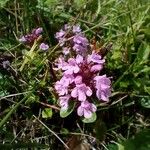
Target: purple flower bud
{"x":38,"y":31}
{"x":76,"y":29}
{"x":22,"y":39}
{"x":95,"y":58}
{"x":31,"y":37}
{"x":60,"y":34}
{"x":44,"y":46}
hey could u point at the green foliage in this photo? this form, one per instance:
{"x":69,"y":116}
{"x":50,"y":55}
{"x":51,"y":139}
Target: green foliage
{"x":145,"y":102}
{"x":47,"y":113}
{"x":80,"y":3}
{"x":3,"y":2}
{"x":141,"y":141}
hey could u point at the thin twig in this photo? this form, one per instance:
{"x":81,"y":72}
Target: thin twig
{"x":52,"y":132}
{"x":51,"y":106}
{"x":119,"y":100}
{"x":12,"y":95}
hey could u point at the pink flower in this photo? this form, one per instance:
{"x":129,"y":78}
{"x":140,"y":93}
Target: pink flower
{"x":79,"y":59}
{"x":44,"y":46}
{"x":60,"y":34}
{"x":86,"y":109}
{"x":80,"y":73}
{"x":31,"y":37}
{"x":64,"y":100}
{"x":60,"y":63}
{"x":76,"y":29}
{"x":103,"y":87}
{"x":96,"y":68}
{"x":22,"y":39}
{"x":81,"y":91}
{"x":71,"y":67}
{"x":38,"y":31}
{"x":95,"y":58}
{"x":62,"y":86}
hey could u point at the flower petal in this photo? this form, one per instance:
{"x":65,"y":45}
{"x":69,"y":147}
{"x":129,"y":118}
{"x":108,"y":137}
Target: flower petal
{"x":96,"y":68}
{"x":80,"y":111}
{"x":89,"y":91}
{"x":81,"y":95}
{"x":74,"y":92}
{"x":87,"y":113}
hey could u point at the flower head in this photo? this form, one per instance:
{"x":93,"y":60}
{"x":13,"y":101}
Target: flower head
{"x":81,"y":80}
{"x":31,"y":37}
{"x":44,"y":46}
{"x":86,"y":109}
{"x":71,"y":36}
{"x":103,"y":87}
{"x":63,"y":101}
{"x":76,"y":29}
{"x":81,"y":91}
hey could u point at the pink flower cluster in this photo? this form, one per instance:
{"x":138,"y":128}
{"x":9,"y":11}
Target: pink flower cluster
{"x":31,"y":37}
{"x":82,"y":83}
{"x":71,"y":39}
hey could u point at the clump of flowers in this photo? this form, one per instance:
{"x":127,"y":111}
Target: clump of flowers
{"x":29,"y":39}
{"x":81,"y":82}
{"x":71,"y":40}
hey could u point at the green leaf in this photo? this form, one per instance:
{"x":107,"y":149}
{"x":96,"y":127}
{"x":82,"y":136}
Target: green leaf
{"x":51,"y":3}
{"x":64,"y":131}
{"x":47,"y":113}
{"x":120,"y":146}
{"x":3,"y":3}
{"x":143,"y":52}
{"x":80,"y":3}
{"x":145,"y":102}
{"x":90,"y":120}
{"x":65,"y":113}
{"x":112,"y":147}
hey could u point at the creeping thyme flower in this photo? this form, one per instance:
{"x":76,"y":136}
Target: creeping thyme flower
{"x":37,"y":31}
{"x":31,"y":37}
{"x":64,"y":100}
{"x":103,"y":87}
{"x":81,"y":81}
{"x":44,"y":46}
{"x":80,"y":43}
{"x":71,"y":39}
{"x":86,"y":109}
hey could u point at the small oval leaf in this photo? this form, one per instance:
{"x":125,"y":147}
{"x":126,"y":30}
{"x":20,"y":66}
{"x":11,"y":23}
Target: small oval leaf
{"x":47,"y":113}
{"x":145,"y":102}
{"x":90,"y":120}
{"x":65,"y":112}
